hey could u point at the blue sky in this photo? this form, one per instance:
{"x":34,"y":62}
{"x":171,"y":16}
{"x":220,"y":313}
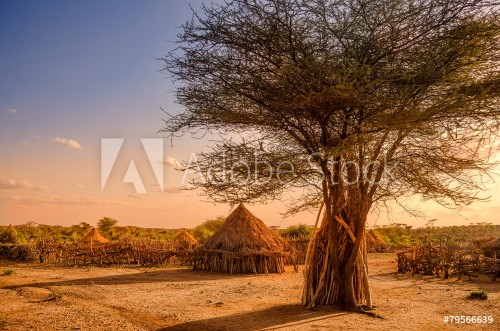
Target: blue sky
{"x":86,"y":62}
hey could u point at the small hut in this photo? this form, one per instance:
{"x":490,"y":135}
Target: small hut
{"x":491,"y":248}
{"x":243,"y":244}
{"x":185,"y":240}
{"x":94,"y":237}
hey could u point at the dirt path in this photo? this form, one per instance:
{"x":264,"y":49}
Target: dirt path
{"x":42,"y":297}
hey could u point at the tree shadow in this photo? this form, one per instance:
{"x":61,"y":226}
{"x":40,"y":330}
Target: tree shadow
{"x":482,"y":281}
{"x":275,"y":318}
{"x":145,"y":277}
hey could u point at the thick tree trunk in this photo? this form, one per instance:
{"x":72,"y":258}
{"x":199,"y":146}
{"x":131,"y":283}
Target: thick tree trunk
{"x":336,"y":281}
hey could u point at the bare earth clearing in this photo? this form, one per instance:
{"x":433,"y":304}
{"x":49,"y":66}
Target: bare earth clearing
{"x":180,"y":299}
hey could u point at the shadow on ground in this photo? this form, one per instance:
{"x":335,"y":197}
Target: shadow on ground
{"x":275,"y":318}
{"x":169,"y":276}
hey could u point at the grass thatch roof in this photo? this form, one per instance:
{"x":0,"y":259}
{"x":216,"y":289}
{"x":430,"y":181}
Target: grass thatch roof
{"x":94,"y":237}
{"x":491,"y":245}
{"x":242,"y":231}
{"x":243,"y":244}
{"x":185,"y":240}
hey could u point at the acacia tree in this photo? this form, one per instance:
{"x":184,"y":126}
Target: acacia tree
{"x":349,"y":102}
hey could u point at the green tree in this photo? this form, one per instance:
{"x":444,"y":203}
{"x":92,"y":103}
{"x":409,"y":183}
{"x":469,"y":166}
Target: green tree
{"x":106,"y":224}
{"x":206,"y":229}
{"x":9,"y":235}
{"x":353,"y":102}
{"x":297,"y":231}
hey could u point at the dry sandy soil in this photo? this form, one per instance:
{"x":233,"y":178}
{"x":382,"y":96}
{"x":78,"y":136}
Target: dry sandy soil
{"x":41,"y":297}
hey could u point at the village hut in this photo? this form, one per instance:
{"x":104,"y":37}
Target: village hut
{"x":185,"y":240}
{"x":94,"y":237}
{"x":243,"y":244}
{"x":491,"y":248}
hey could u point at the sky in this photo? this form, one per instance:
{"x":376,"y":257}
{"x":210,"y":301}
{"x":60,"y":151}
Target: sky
{"x":81,"y":92}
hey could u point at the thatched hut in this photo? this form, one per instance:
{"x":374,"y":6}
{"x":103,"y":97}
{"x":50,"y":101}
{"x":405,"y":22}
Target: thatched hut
{"x":491,"y":248}
{"x":243,"y":244}
{"x":185,"y":240}
{"x":94,"y":237}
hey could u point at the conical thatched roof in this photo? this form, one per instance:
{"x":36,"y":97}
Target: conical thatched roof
{"x":491,"y":245}
{"x":185,"y":240}
{"x":243,"y":244}
{"x":94,"y":237}
{"x":243,"y":231}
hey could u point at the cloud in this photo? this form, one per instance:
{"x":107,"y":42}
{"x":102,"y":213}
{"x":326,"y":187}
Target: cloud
{"x":136,"y":196}
{"x":78,"y":185}
{"x":171,"y":162}
{"x":176,"y":189}
{"x":11,"y":111}
{"x":10,"y":184}
{"x":68,"y":142}
{"x":59,"y":200}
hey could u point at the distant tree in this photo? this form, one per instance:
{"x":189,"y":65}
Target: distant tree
{"x":84,"y":225}
{"x":353,"y":102}
{"x":30,"y":224}
{"x":431,"y":223}
{"x":297,"y":231}
{"x":206,"y":229}
{"x":9,"y":236}
{"x":106,"y":224}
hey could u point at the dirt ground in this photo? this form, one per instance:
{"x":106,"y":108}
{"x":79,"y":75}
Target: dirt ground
{"x":41,"y":297}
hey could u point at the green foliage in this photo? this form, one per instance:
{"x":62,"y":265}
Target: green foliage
{"x":9,"y":236}
{"x":9,"y":272}
{"x":106,"y":224}
{"x":206,"y":229}
{"x":478,"y":295}
{"x":201,"y":233}
{"x":404,"y":236}
{"x":297,"y":231}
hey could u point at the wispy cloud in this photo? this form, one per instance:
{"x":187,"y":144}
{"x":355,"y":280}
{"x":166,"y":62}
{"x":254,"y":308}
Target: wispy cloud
{"x":68,"y":142}
{"x":58,"y":200}
{"x":11,"y":111}
{"x":171,"y":162}
{"x":136,"y":196}
{"x":176,"y":189}
{"x":79,"y":186}
{"x":10,"y":184}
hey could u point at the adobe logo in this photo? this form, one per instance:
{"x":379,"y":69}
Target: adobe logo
{"x":110,"y":149}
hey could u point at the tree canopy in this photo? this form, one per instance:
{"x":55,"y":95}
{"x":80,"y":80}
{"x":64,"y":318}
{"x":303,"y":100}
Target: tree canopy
{"x":351,"y":102}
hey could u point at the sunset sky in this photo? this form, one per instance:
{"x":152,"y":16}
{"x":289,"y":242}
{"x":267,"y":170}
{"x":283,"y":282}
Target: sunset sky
{"x":75,"y":72}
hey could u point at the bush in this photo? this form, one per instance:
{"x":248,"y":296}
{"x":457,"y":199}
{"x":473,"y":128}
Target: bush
{"x":9,"y":236}
{"x":478,"y":295}
{"x":206,"y":229}
{"x":297,"y":231}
